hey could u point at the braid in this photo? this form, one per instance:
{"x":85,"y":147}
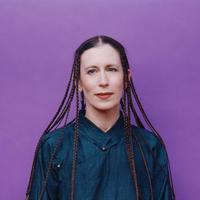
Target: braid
{"x":131,"y":107}
{"x":66,"y":108}
{"x":146,"y":167}
{"x":67,"y":112}
{"x":154,"y":132}
{"x":140,"y":148}
{"x":45,"y":132}
{"x":82,"y":101}
{"x":127,"y":107}
{"x":137,"y":119}
{"x":128,"y":141}
{"x":52,"y":123}
{"x":75,"y":145}
{"x":50,"y":165}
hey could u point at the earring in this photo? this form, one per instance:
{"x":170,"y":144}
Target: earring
{"x":79,"y":88}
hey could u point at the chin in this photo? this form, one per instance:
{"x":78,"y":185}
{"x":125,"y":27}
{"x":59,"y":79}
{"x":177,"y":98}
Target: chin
{"x":105,"y":107}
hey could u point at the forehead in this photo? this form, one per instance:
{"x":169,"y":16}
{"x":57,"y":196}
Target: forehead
{"x":103,"y":54}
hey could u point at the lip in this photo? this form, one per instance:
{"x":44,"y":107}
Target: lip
{"x":105,"y":95}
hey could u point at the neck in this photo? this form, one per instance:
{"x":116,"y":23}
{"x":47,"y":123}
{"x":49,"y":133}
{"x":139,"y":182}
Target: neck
{"x":104,"y":119}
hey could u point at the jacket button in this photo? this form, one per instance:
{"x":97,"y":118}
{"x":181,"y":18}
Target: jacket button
{"x":103,"y":148}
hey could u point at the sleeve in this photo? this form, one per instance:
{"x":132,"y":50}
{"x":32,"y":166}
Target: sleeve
{"x":162,"y":187}
{"x":40,"y":172}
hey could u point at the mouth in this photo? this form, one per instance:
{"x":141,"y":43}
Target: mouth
{"x":104,"y":95}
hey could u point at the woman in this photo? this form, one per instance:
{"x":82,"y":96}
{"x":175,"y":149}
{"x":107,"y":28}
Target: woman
{"x":100,"y":155}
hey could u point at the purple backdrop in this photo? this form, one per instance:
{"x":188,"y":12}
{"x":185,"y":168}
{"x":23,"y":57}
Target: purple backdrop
{"x":37,"y":42}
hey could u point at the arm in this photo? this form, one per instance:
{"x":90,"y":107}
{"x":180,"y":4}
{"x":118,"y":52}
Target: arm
{"x":42,"y":159}
{"x":163,"y":189}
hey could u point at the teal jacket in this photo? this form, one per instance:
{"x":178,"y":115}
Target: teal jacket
{"x":103,"y":171}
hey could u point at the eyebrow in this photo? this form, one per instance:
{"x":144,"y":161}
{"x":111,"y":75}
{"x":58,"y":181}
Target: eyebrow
{"x":109,"y":65}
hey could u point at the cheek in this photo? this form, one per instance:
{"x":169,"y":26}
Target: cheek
{"x":87,"y":85}
{"x":118,"y":83}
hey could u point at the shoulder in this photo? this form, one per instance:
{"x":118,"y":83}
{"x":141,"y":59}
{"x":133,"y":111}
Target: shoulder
{"x":146,"y":135}
{"x":152,"y":142}
{"x":58,"y":135}
{"x":57,"y":142}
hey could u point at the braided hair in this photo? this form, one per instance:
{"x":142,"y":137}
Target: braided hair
{"x":127,"y":108}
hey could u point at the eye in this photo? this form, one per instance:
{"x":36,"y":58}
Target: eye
{"x":112,"y":69}
{"x":91,"y":71}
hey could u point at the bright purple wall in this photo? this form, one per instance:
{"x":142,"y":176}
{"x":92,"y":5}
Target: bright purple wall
{"x":37,"y":42}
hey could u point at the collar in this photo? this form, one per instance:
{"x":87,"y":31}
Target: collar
{"x":94,"y":134}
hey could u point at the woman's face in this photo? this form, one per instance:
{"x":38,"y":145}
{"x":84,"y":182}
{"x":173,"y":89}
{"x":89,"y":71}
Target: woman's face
{"x":101,"y":78}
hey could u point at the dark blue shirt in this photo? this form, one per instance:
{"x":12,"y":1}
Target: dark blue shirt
{"x":103,"y":171}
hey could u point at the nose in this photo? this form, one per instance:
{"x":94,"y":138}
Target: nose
{"x":103,"y":79}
